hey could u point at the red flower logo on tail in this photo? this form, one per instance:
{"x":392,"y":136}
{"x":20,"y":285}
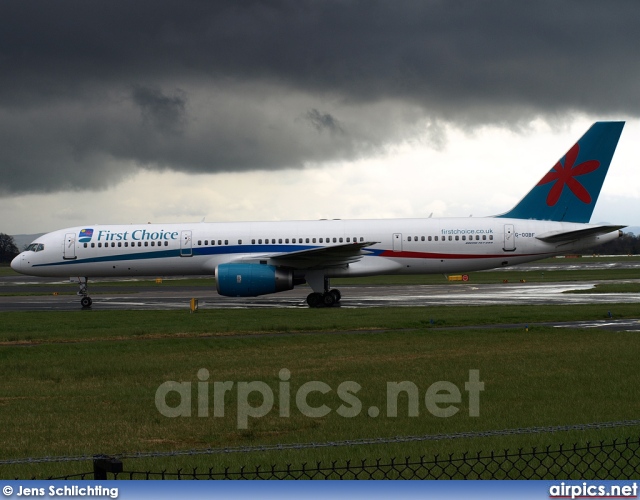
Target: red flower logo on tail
{"x":565,"y":176}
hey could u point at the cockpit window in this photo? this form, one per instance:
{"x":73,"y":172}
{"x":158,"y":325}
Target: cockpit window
{"x":35,"y":247}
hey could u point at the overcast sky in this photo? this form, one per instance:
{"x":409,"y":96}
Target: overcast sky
{"x":121,"y":111}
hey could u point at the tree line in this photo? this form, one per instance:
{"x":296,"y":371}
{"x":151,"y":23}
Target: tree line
{"x":628,"y":244}
{"x":8,"y":248}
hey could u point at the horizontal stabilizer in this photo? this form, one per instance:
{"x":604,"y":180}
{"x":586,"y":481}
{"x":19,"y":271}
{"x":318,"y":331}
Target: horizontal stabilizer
{"x":561,"y":236}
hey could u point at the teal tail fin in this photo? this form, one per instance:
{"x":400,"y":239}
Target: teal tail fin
{"x":570,"y":190}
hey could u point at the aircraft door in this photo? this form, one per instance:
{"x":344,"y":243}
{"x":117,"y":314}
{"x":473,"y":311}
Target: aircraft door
{"x":509,"y":238}
{"x":397,"y":242}
{"x":186,"y":249}
{"x":69,"y":251}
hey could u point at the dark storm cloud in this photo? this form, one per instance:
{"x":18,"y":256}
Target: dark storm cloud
{"x":166,"y":113}
{"x":324,"y":121}
{"x":91,"y":91}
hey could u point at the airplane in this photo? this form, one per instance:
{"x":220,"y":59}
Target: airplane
{"x":250,"y":259}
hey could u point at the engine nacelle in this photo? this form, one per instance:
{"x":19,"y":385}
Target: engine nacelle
{"x":251,"y":280}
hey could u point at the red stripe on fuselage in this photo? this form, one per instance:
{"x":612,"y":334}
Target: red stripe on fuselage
{"x":426,"y":255}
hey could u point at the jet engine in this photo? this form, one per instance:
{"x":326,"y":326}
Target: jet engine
{"x":251,"y":280}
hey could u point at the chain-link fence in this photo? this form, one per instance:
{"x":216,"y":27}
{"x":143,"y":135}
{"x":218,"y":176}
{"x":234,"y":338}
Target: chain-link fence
{"x":617,"y":459}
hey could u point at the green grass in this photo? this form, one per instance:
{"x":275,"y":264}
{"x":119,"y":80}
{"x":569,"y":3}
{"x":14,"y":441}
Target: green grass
{"x":84,"y":382}
{"x":97,"y":396}
{"x":60,"y":326}
{"x":5,"y":270}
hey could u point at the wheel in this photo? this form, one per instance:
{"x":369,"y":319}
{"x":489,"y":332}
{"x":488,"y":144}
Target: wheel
{"x":328,"y":299}
{"x":336,"y":294}
{"x":314,"y":299}
{"x":85,"y":302}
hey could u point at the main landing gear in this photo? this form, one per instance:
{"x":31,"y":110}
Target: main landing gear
{"x":327,"y":298}
{"x":85,"y":301}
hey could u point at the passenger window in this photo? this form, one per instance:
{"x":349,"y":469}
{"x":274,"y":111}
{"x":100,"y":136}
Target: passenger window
{"x":239,"y":242}
{"x":85,"y":245}
{"x":146,"y":243}
{"x":226,"y":242}
{"x":260,"y":242}
{"x":457,"y":238}
{"x":93,"y":245}
{"x":484,"y":236}
{"x":314,"y":240}
{"x":219,"y":242}
{"x":287,"y":240}
{"x":99,"y":245}
{"x":119,"y":244}
{"x":280,"y":240}
{"x":253,"y":242}
{"x":320,"y":240}
{"x":491,"y":236}
{"x":166,"y":243}
{"x":464,"y":238}
{"x":340,"y":240}
{"x":200,"y":242}
{"x":307,"y":240}
{"x":450,"y":238}
{"x":422,"y":238}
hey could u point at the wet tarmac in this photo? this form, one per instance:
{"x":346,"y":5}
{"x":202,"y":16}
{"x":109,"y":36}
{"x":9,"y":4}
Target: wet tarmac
{"x":23,"y":293}
{"x":148,"y":297}
{"x":59,"y":294}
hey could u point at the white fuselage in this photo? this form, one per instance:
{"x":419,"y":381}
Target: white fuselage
{"x":402,"y":246}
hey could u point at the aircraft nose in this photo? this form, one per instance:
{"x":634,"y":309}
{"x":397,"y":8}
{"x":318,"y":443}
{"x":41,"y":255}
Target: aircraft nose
{"x":16,"y":263}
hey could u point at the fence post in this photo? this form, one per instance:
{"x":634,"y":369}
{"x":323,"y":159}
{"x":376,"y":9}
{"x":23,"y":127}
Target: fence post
{"x":103,"y":464}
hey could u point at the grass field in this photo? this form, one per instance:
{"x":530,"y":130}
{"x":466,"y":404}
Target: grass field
{"x":85,"y":383}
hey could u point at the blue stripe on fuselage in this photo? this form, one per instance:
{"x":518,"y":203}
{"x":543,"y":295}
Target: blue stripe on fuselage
{"x":196,"y":251}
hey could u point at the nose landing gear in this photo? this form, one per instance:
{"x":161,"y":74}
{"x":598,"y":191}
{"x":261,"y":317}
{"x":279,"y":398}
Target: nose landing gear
{"x":85,"y":301}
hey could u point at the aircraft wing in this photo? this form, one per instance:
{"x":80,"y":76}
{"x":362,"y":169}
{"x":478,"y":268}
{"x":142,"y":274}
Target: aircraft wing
{"x":319,"y":258}
{"x":566,"y":236}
